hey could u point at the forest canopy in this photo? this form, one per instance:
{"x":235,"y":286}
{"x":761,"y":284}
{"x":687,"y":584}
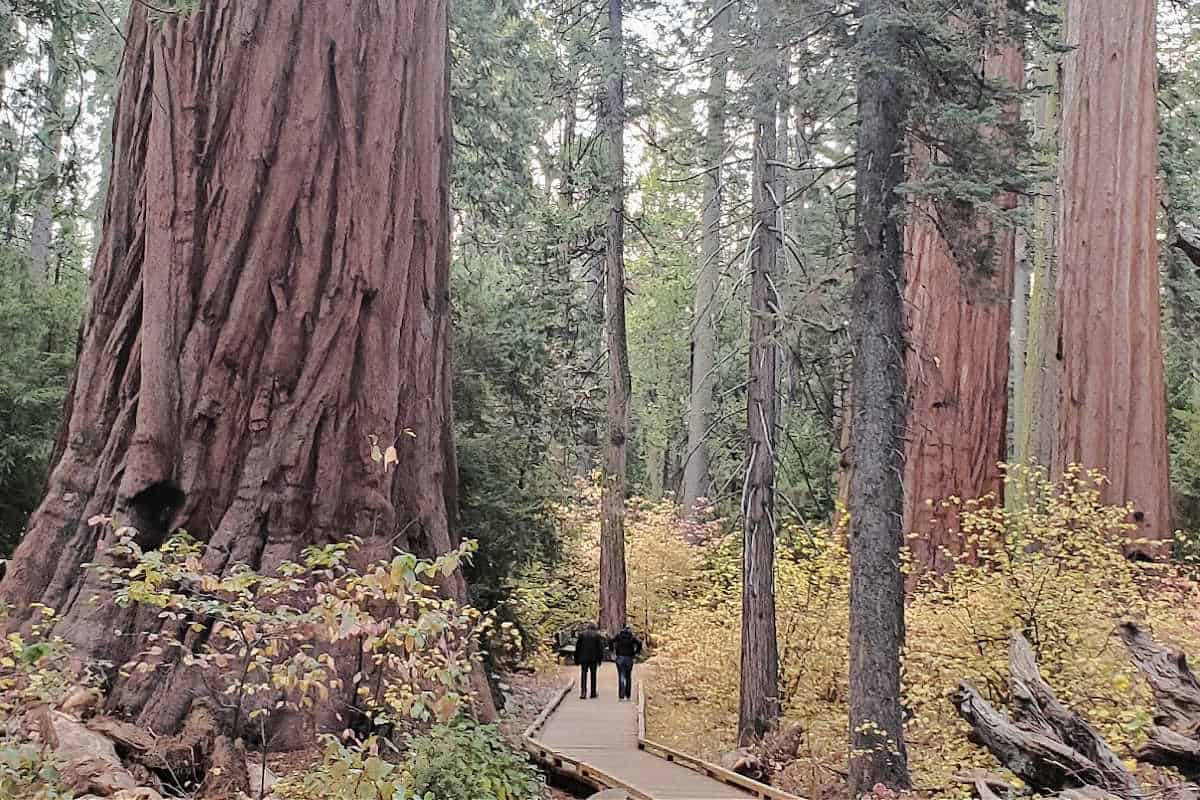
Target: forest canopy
{"x":354,"y":356}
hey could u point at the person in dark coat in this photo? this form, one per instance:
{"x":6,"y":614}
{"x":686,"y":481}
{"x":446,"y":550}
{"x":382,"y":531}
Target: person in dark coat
{"x":589,"y":652}
{"x":625,"y":649}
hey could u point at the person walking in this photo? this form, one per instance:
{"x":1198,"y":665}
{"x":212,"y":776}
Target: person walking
{"x":625,"y":647}
{"x":589,"y":652}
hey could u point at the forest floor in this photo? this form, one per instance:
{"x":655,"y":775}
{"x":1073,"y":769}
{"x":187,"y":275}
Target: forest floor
{"x":525,"y":695}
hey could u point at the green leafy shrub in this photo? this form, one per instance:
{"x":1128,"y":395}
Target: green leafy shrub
{"x":467,"y":761}
{"x":271,"y":635}
{"x":28,"y":773}
{"x":346,"y":772}
{"x":462,"y":760}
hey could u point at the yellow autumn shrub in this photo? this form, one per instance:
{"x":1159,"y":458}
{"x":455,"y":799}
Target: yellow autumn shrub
{"x":661,"y":570}
{"x":1049,"y":565}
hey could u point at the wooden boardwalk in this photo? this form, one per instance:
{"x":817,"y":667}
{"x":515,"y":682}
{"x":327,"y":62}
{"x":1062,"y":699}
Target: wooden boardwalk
{"x":603,"y":742}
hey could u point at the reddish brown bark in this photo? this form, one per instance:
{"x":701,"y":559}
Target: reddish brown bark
{"x":271,"y":289}
{"x":1112,"y":406}
{"x":959,"y":324}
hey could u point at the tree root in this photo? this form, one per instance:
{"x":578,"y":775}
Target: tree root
{"x":199,"y":755}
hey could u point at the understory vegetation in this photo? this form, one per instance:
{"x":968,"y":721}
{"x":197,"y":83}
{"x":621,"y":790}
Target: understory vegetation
{"x":1049,"y":565}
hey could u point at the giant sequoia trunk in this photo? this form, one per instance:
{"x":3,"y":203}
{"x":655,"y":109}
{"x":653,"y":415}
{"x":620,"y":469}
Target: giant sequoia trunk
{"x":271,"y":290}
{"x":876,"y":493}
{"x":959,"y":318}
{"x":696,"y":475}
{"x":612,"y":517}
{"x":1112,"y":409}
{"x":1036,"y":401}
{"x":759,"y":701}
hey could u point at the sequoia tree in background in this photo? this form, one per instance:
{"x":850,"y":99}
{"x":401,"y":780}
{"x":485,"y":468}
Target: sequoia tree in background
{"x":1035,"y":395}
{"x":959,"y":314}
{"x":1112,"y":398}
{"x":612,"y":516}
{"x":876,"y":493}
{"x":270,"y":291}
{"x":759,"y":701}
{"x":49,"y":140}
{"x":696,"y":475}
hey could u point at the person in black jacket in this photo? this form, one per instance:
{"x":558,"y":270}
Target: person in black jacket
{"x":625,"y":649}
{"x":589,"y":652}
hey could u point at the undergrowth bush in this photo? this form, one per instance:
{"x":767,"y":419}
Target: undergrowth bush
{"x":271,"y":636}
{"x":1050,"y":567}
{"x":468,"y":761}
{"x":269,"y":647}
{"x":346,"y":772}
{"x":462,"y":760}
{"x":661,"y":569}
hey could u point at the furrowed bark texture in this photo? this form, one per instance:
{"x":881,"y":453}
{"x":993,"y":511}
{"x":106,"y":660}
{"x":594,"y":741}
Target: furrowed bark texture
{"x":759,"y":696}
{"x":959,"y":319}
{"x":612,"y":519}
{"x":696,"y":475}
{"x":1036,"y":404}
{"x":1019,"y":337}
{"x":271,"y":289}
{"x":1112,"y":413}
{"x":876,"y":495}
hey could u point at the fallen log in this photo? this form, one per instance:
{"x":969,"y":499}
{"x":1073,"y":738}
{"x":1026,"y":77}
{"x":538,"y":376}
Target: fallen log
{"x":1044,"y":763}
{"x":988,"y":785}
{"x":1168,"y":748}
{"x":1174,"y":739}
{"x":1046,"y":745}
{"x":1176,"y":689}
{"x":1033,"y":699}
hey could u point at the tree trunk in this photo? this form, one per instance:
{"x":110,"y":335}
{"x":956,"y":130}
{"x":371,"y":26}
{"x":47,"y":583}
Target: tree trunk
{"x":9,"y":160}
{"x":876,"y":494}
{"x":696,"y":475}
{"x":1112,"y":412}
{"x":759,"y":703}
{"x":50,"y":142}
{"x":1036,"y":405}
{"x":959,"y":326}
{"x":267,"y":295}
{"x":612,"y":524}
{"x":586,"y":435}
{"x":1019,"y":338}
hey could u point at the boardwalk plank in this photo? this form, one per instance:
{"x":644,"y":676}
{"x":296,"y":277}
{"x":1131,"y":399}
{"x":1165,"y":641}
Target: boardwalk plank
{"x":603,"y":733}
